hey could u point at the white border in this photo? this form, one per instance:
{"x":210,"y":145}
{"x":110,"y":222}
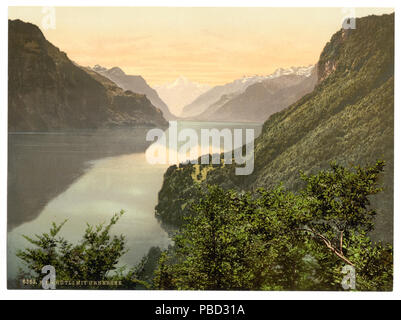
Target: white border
{"x":159,"y":295}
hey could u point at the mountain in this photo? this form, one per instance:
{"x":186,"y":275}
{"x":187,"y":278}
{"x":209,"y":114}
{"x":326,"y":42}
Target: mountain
{"x":347,"y":118}
{"x":135,"y":84}
{"x":47,"y":91}
{"x":262,"y":99}
{"x":212,"y":96}
{"x":180,"y":92}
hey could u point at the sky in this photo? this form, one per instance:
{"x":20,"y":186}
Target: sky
{"x":206,"y":45}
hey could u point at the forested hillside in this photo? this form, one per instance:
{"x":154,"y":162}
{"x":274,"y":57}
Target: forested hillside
{"x":348,"y":118}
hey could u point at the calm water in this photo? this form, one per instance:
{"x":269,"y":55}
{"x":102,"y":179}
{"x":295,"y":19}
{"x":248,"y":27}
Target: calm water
{"x":86,"y":177}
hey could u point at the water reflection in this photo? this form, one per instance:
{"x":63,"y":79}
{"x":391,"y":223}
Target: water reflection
{"x":86,"y":177}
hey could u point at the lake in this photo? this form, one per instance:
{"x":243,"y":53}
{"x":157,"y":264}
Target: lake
{"x":86,"y":177}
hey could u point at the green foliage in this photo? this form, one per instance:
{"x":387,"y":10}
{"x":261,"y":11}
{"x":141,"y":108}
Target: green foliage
{"x":94,"y":258}
{"x":174,"y":195}
{"x":373,"y":260}
{"x":180,"y":189}
{"x":265,"y":240}
{"x":144,"y":271}
{"x":338,"y":199}
{"x":277,"y":240}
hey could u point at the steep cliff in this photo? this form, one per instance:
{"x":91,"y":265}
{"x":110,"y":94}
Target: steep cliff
{"x":47,"y":91}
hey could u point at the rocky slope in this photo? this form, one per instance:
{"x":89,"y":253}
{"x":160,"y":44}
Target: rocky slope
{"x":135,"y":84}
{"x":47,"y":91}
{"x":348,"y":118}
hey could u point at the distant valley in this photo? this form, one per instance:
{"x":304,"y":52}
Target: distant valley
{"x":180,"y":92}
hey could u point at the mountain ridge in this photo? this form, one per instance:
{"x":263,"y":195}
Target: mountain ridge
{"x":236,"y":87}
{"x":49,"y":92}
{"x":262,"y":99}
{"x":137,"y":84}
{"x":348,"y":118}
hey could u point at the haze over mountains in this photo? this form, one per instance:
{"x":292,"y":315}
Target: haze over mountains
{"x":180,"y":92}
{"x":262,"y":99}
{"x":47,"y":91}
{"x":205,"y":107}
{"x":135,"y":83}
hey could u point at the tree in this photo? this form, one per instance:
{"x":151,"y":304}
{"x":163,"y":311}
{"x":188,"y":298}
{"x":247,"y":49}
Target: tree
{"x":93,"y":259}
{"x":277,"y":240}
{"x":211,"y":251}
{"x":339,"y":204}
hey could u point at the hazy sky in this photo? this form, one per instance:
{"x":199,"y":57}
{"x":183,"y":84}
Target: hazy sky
{"x":208,"y":45}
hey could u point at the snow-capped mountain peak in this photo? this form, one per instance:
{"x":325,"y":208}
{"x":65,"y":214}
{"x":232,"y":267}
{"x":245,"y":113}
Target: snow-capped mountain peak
{"x":237,"y":87}
{"x":180,"y":92}
{"x":299,"y":71}
{"x":180,"y":81}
